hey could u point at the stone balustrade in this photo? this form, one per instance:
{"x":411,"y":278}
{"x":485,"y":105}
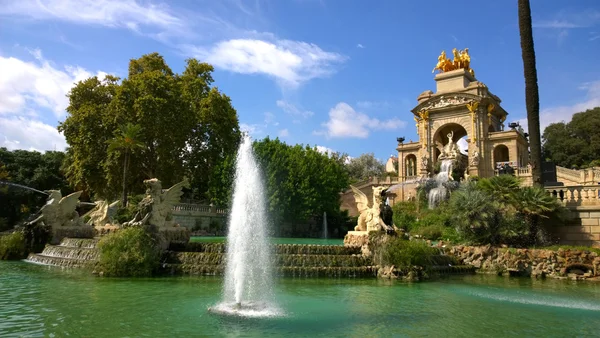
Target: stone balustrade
{"x":580,"y":195}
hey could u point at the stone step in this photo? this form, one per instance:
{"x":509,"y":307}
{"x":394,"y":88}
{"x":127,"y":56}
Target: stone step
{"x":59,"y":261}
{"x":211,"y":258}
{"x":290,"y":249}
{"x":70,"y":252}
{"x":283,"y":271}
{"x":87,"y":243}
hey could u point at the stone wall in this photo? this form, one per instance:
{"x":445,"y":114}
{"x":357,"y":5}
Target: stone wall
{"x":583,"y":227}
{"x":191,"y":215}
{"x":538,"y":263}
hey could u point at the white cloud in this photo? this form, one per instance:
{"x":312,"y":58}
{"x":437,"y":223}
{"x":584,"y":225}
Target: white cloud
{"x":251,"y":129}
{"x":373,"y":104}
{"x":29,"y":134}
{"x":565,"y":113}
{"x":291,"y":63}
{"x":325,"y":150}
{"x":360,"y":46}
{"x":27,"y":86}
{"x":293,"y":110}
{"x":284,"y":133}
{"x":130,"y":14}
{"x":270,"y":119}
{"x":560,"y":24}
{"x":344,"y":121}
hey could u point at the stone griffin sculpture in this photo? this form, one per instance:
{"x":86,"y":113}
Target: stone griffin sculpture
{"x":59,"y":211}
{"x":370,"y":217}
{"x":102,"y":213}
{"x":156,"y":208}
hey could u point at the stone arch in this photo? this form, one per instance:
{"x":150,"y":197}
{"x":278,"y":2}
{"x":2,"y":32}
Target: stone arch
{"x":410,"y":165}
{"x":440,"y":139}
{"x":500,"y":154}
{"x":464,"y":122}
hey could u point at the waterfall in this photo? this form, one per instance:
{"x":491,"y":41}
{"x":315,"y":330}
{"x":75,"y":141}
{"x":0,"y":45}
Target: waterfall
{"x":325,"y":224}
{"x":248,"y":289}
{"x":440,"y":192}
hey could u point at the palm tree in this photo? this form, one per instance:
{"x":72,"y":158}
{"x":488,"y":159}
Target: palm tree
{"x":535,"y":204}
{"x":532,"y":99}
{"x":127,"y":141}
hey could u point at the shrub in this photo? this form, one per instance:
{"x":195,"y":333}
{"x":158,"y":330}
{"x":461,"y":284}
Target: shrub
{"x":405,"y":215}
{"x":405,"y":254}
{"x":399,"y":252}
{"x":432,"y":232}
{"x":13,"y":246}
{"x":129,"y":252}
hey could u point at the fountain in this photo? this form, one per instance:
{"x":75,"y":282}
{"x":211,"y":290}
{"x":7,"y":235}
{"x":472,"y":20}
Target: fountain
{"x":440,"y":192}
{"x":248,"y":289}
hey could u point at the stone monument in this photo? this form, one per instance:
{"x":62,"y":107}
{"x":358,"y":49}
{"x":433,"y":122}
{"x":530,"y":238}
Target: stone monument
{"x":371,"y":218}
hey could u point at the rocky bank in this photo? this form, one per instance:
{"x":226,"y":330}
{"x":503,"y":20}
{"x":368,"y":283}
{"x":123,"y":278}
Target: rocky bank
{"x":537,"y":263}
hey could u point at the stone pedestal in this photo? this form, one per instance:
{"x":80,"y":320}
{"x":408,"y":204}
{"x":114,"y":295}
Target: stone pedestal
{"x":356,"y":238}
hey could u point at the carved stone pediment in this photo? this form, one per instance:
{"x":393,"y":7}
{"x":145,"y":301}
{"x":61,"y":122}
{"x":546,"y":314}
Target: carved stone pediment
{"x":446,"y":101}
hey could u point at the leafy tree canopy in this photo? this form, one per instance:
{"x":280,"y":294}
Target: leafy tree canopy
{"x":364,"y":167}
{"x":575,"y":144}
{"x":32,"y":169}
{"x":301,"y":182}
{"x":188,"y":127}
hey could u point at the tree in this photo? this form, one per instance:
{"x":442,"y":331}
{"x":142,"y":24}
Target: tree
{"x":188,"y":127}
{"x":127,"y":142}
{"x":301,"y":182}
{"x":31,"y":169}
{"x":364,"y":167}
{"x":575,"y":144}
{"x":532,"y":100}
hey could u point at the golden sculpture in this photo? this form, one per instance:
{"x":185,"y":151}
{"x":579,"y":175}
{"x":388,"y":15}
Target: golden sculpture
{"x":462,"y":60}
{"x":473,"y":109}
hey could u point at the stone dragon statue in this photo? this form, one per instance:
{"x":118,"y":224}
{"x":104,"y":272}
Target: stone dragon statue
{"x":370,"y":217}
{"x":156,"y":208}
{"x":102,"y":213}
{"x":59,"y":211}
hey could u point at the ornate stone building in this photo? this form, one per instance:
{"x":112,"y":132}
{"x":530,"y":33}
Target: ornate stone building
{"x":461,"y":108}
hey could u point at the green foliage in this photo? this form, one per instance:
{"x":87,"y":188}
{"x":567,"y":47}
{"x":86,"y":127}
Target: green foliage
{"x":405,"y":214}
{"x":130,"y":252}
{"x":301,"y":182}
{"x":575,"y":144}
{"x":126,"y":214}
{"x":126,"y":142}
{"x":432,"y":231}
{"x":188,"y":127}
{"x":502,"y":188}
{"x":13,"y":246}
{"x":401,"y":253}
{"x":32,"y":169}
{"x":364,"y":167}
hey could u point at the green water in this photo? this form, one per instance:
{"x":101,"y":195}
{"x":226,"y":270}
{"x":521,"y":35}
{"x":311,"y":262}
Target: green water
{"x":278,"y":240}
{"x":45,"y":301}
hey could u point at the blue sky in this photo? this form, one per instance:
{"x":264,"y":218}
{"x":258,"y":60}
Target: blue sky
{"x":336,"y":74}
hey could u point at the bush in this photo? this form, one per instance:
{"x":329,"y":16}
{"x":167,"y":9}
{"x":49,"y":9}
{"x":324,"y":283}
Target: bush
{"x":432,"y":232}
{"x":405,"y":254}
{"x":13,"y":246}
{"x":129,"y":252}
{"x":405,"y":215}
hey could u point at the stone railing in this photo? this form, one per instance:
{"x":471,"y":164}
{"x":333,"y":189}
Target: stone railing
{"x":376,"y":181}
{"x":569,"y":175}
{"x":579,"y":195}
{"x":198,"y":208}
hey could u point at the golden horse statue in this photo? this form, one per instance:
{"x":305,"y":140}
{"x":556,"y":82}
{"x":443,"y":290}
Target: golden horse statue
{"x":462,"y":60}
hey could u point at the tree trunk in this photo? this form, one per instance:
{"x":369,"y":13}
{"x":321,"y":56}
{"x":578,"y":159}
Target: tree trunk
{"x":125,"y":163}
{"x":532,"y":100}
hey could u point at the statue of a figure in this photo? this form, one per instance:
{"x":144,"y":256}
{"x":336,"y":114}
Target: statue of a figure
{"x":424,"y":162}
{"x":59,"y":211}
{"x":156,"y":207}
{"x":369,"y":218}
{"x":475,"y":158}
{"x":102,"y":213}
{"x":450,"y":150}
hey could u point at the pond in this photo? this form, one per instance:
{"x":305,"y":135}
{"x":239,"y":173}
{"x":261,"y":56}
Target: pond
{"x":41,"y":301}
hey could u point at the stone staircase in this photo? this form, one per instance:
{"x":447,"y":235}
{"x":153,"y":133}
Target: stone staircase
{"x":70,"y":253}
{"x":290,"y":260}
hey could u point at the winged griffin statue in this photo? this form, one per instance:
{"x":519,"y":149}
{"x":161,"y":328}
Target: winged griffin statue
{"x":59,"y":211}
{"x":156,"y":207}
{"x":102,"y":213}
{"x":370,"y":218}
